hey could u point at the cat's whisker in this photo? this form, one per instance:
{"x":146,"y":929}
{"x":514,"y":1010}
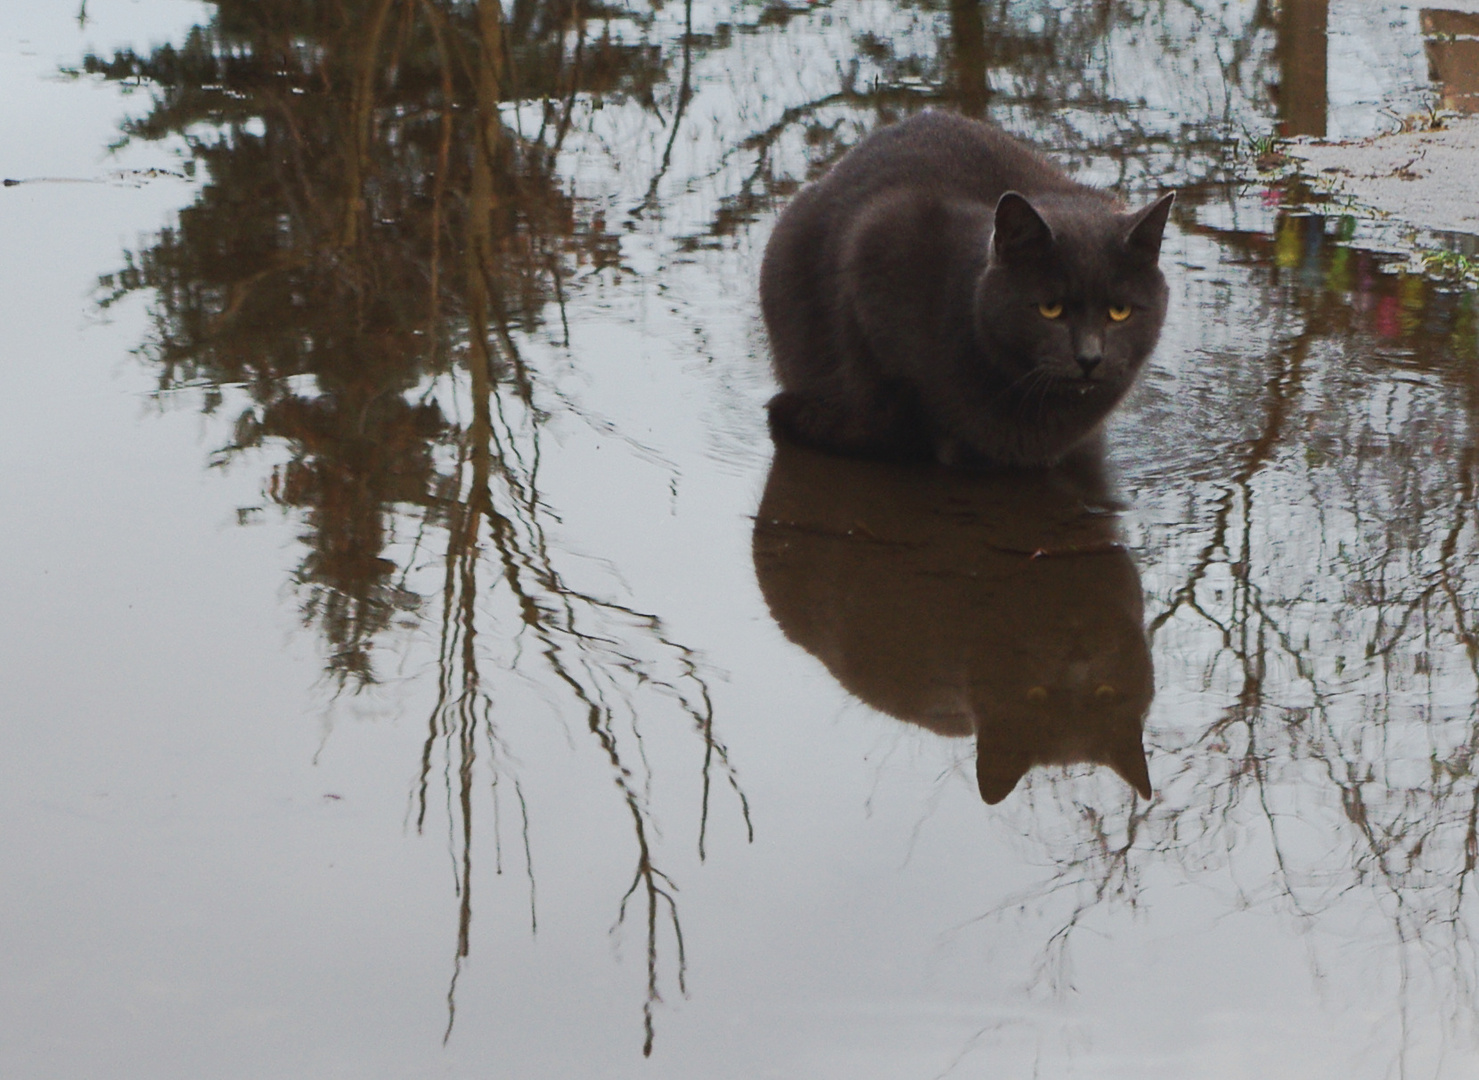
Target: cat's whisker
{"x":1024,"y":382}
{"x":1040,"y":381}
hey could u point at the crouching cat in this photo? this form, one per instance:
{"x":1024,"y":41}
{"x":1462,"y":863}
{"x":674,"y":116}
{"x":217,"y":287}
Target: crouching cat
{"x":946,"y":292}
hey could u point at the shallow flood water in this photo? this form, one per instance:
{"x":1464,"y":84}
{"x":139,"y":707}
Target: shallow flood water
{"x":421,"y":662}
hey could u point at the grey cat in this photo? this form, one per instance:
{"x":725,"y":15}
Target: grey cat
{"x":946,"y":292}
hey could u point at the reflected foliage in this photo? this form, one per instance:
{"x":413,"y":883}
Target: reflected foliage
{"x":381,"y":235}
{"x":1309,"y":521}
{"x":403,"y":202}
{"x":1312,"y":602}
{"x":1126,"y":94}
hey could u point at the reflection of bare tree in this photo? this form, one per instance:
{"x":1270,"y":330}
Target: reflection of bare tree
{"x":1141,"y":94}
{"x":365,"y":278}
{"x":589,"y":645}
{"x":374,"y":252}
{"x":1325,"y":599}
{"x":1322,"y":595}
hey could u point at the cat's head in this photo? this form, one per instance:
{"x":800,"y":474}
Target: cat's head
{"x":1072,"y":298}
{"x":1076,"y":690}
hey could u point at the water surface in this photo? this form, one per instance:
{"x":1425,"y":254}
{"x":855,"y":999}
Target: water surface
{"x":421,"y":662}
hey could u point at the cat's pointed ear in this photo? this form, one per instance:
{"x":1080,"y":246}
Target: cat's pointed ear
{"x":1143,"y":239}
{"x":998,"y":769}
{"x":1129,"y":762}
{"x":1019,"y":227}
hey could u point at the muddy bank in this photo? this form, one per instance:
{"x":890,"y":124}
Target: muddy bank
{"x":1426,"y":179}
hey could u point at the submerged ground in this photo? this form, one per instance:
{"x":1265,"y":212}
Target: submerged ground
{"x":420,"y":662}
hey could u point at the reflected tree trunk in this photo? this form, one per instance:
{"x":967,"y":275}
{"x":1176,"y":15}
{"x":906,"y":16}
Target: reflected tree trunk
{"x":968,"y":57}
{"x":361,"y":130}
{"x":1303,"y":66}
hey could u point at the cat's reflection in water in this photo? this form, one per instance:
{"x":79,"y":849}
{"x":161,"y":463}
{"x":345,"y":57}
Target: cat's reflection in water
{"x":996,"y":605}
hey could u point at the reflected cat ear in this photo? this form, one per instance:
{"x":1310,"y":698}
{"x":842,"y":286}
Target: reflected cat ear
{"x":1019,"y":229}
{"x":1147,"y":227}
{"x":1129,"y":762}
{"x":998,"y":771}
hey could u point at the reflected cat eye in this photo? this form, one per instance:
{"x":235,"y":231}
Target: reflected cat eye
{"x":1119,"y":312}
{"x":1050,"y":311}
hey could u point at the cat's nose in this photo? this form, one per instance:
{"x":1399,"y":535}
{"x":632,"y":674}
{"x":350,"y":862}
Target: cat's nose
{"x":1089,"y":349}
{"x":1089,"y":352}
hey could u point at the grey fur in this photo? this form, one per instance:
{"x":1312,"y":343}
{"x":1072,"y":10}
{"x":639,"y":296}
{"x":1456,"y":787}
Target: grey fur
{"x":901,"y":292}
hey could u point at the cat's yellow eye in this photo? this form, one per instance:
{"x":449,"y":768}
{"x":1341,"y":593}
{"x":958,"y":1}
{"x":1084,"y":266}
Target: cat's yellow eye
{"x":1119,"y":312}
{"x":1050,"y":311}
